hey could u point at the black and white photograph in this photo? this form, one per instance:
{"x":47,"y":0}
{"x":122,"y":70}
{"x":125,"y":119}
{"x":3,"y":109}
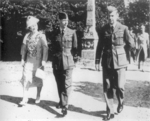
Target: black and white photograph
{"x":74,"y":60}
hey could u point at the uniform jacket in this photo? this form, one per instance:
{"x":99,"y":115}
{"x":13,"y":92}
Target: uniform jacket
{"x":64,"y":48}
{"x":112,"y":44}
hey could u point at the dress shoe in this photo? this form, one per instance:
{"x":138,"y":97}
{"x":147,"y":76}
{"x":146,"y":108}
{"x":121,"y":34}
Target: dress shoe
{"x":23,"y":102}
{"x":58,"y":106}
{"x":64,"y":110}
{"x":110,"y":116}
{"x":37,"y":101}
{"x":120,"y":108}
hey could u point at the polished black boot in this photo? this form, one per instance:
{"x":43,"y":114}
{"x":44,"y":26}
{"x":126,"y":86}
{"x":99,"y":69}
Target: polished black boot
{"x":120,"y":108}
{"x":64,"y":110}
{"x":109,"y":116}
{"x":59,"y":105}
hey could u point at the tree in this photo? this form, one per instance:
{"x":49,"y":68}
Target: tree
{"x":13,"y":14}
{"x":138,"y":13}
{"x":101,"y":10}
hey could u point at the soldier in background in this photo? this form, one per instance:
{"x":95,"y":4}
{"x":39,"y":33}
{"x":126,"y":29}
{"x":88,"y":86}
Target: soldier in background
{"x":113,"y":38}
{"x":64,"y":49}
{"x":130,"y":54}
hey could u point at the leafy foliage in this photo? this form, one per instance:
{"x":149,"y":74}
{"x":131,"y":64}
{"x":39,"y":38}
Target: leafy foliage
{"x":13,"y":15}
{"x":101,"y":11}
{"x":138,"y":13}
{"x":45,"y":10}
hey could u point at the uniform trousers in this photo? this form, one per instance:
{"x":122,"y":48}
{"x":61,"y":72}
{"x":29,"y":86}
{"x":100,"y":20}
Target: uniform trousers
{"x":113,"y":79}
{"x":64,"y":81}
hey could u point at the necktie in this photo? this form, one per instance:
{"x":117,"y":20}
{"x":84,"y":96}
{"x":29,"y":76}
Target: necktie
{"x":62,"y":32}
{"x":112,"y":29}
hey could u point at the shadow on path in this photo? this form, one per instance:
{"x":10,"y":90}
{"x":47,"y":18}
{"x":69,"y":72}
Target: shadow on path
{"x":47,"y":104}
{"x":94,"y":90}
{"x":43,"y":104}
{"x":137,"y":93}
{"x":101,"y":114}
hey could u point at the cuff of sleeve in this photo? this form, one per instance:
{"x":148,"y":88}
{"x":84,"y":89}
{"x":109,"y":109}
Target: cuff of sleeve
{"x":97,"y":61}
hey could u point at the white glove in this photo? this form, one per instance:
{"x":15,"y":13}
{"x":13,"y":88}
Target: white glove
{"x":43,"y":63}
{"x":22,"y":62}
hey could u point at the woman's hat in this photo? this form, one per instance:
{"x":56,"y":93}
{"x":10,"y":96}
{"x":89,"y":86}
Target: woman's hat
{"x":31,"y":20}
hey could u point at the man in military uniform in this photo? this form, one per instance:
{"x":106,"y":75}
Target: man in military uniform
{"x":64,"y":49}
{"x":113,"y":38}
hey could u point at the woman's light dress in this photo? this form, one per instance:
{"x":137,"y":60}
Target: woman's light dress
{"x":35,"y":49}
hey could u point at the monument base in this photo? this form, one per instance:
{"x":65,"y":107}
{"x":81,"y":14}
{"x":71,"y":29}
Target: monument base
{"x":87,"y":59}
{"x":88,"y":54}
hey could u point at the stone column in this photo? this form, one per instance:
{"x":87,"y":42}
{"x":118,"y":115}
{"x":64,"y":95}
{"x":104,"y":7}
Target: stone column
{"x":89,"y":41}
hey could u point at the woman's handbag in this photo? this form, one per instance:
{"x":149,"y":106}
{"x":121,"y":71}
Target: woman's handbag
{"x":40,"y":73}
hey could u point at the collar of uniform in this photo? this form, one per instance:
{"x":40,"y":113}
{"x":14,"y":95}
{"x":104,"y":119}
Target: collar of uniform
{"x":63,"y":29}
{"x":114,"y":25}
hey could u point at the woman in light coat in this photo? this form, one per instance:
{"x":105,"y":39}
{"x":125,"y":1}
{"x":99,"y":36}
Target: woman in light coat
{"x":143,"y":42}
{"x":34,"y":52}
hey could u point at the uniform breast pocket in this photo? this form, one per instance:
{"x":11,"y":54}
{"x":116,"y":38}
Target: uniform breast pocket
{"x":118,"y":37}
{"x":121,"y":56}
{"x":68,"y":36}
{"x":119,"y":34}
{"x":107,"y":36}
{"x":68,"y":41}
{"x":58,"y":37}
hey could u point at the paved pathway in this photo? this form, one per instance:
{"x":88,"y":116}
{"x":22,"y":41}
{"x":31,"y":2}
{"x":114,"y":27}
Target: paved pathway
{"x":82,"y":107}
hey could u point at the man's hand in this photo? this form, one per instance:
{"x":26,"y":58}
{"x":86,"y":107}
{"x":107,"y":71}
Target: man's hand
{"x":43,"y":63}
{"x":22,"y":62}
{"x":75,"y":58}
{"x":97,"y":67}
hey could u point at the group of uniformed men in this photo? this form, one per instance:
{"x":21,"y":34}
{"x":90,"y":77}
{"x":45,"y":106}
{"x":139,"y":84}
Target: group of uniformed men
{"x":114,"y":36}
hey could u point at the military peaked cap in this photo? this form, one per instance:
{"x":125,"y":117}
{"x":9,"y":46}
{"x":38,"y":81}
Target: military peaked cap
{"x":62,"y":15}
{"x":111,"y":9}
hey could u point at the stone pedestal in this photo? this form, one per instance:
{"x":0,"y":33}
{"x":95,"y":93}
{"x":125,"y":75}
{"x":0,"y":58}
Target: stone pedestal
{"x":0,"y":52}
{"x":90,"y":39}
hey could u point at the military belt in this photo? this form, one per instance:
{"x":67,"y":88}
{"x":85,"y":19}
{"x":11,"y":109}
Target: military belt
{"x":117,"y":47}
